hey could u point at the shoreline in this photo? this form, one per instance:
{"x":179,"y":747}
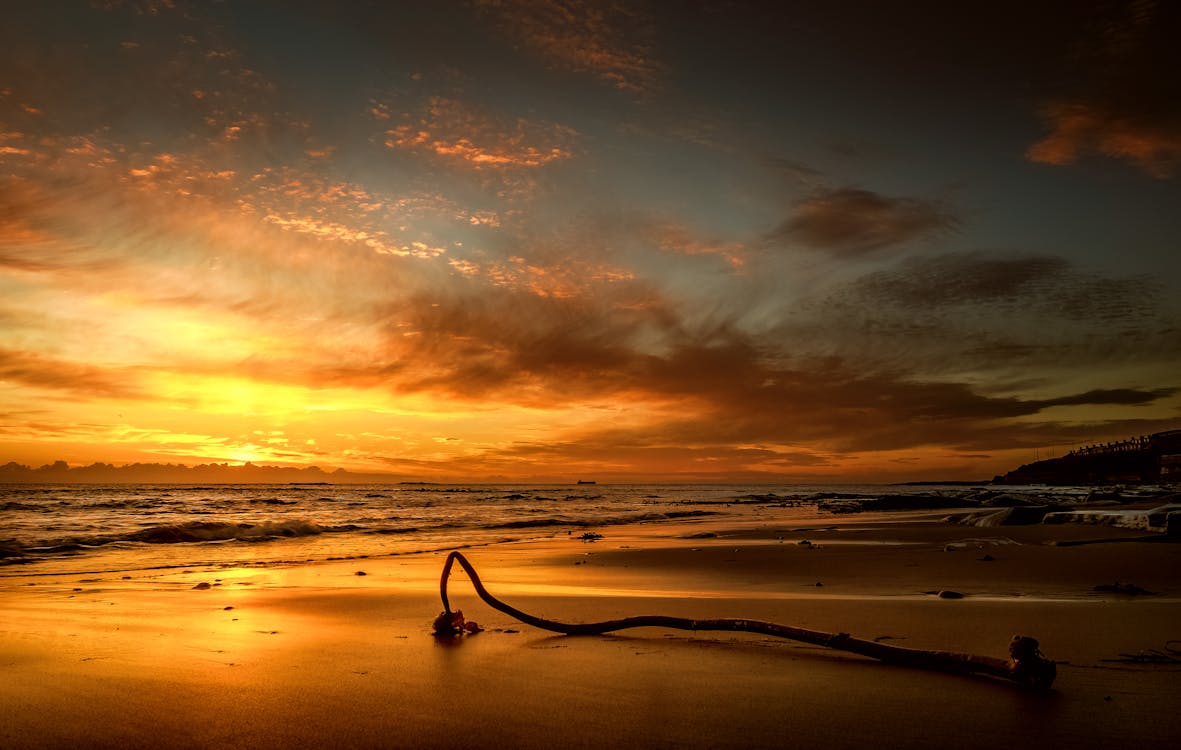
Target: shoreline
{"x":315,"y":654}
{"x":274,"y":525}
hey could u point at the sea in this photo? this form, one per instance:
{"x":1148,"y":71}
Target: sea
{"x":87,"y":528}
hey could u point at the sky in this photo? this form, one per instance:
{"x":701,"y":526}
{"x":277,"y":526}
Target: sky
{"x":707,"y":240}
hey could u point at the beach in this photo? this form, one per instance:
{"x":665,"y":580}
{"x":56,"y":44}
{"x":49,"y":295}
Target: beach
{"x":340,"y":653}
{"x":793,"y":374}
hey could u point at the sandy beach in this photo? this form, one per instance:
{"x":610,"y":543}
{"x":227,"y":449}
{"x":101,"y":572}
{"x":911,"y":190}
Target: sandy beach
{"x":319,"y":656}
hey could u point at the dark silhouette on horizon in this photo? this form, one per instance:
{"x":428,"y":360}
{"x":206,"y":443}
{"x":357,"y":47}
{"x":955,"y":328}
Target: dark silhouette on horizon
{"x":1147,"y":458}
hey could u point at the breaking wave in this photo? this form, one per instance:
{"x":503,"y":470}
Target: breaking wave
{"x":183,"y":533}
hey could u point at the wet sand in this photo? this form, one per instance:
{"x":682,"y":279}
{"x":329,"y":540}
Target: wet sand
{"x":317,"y":656}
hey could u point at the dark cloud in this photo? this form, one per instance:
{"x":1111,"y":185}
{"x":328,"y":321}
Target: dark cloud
{"x":1092,"y":298}
{"x":537,"y":347}
{"x":1120,"y":396}
{"x":851,"y":221}
{"x":963,"y":312}
{"x":723,"y":387}
{"x":960,"y":279}
{"x":1048,"y":285}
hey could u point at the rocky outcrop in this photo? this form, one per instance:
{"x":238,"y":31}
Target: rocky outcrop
{"x":1151,"y":458}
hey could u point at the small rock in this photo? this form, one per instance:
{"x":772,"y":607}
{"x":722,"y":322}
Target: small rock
{"x":202,"y":586}
{"x":945,"y":594}
{"x":226,"y":609}
{"x":1130,"y":589}
{"x":360,"y":573}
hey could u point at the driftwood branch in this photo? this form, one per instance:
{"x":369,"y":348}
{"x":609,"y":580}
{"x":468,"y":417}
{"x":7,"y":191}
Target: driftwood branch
{"x":1026,"y":665}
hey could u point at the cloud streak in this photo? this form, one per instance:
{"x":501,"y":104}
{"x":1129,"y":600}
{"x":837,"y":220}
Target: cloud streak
{"x":607,"y":40}
{"x":71,"y":380}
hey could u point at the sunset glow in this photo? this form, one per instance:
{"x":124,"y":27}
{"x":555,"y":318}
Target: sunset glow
{"x":539,"y":240}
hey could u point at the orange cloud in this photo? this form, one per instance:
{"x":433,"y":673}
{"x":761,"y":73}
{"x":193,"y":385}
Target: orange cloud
{"x":1078,"y":129}
{"x":566,"y":280}
{"x":7,"y":147}
{"x":677,"y":239}
{"x":73,"y":380}
{"x":451,"y":129}
{"x":1123,"y":102}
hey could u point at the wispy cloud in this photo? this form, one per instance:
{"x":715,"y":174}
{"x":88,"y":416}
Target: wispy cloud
{"x":608,"y":40}
{"x":66,"y":379}
{"x":680,"y":240}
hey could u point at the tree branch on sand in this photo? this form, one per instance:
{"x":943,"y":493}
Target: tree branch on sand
{"x":1026,"y":664}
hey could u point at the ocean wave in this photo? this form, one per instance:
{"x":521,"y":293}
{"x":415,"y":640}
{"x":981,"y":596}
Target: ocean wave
{"x":182,"y":533}
{"x":221,"y":530}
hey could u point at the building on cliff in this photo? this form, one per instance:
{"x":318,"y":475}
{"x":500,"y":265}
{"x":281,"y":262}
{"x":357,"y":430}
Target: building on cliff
{"x":1149,"y":458}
